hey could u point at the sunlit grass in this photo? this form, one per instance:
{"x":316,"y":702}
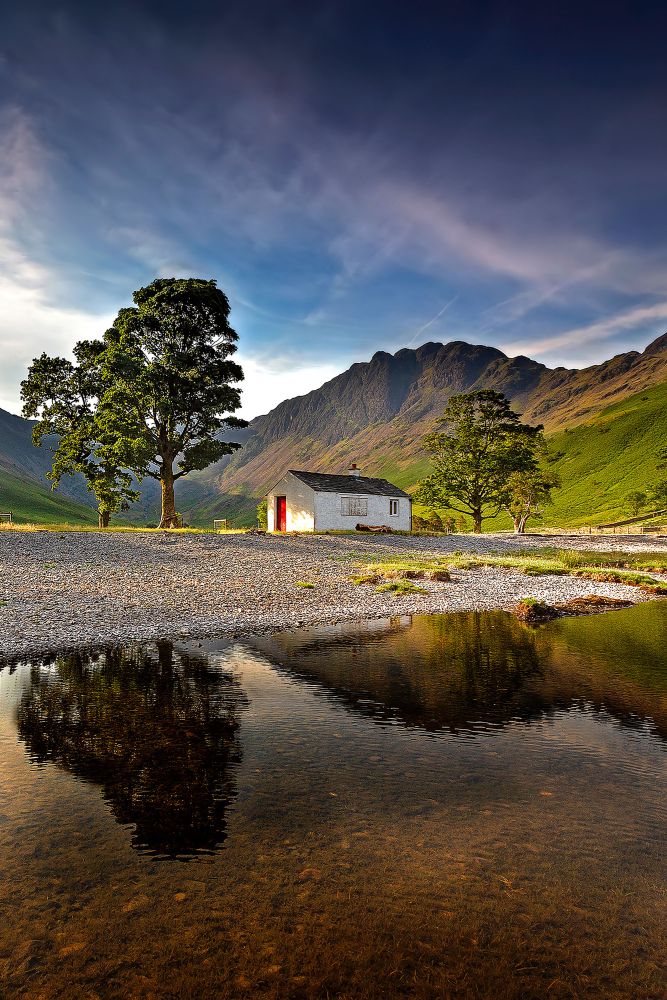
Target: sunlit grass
{"x":118,"y":529}
{"x":611,"y":567}
{"x":400,"y":587}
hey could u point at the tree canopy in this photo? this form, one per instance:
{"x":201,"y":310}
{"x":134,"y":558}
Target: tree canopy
{"x":64,"y":395}
{"x":482,"y":445}
{"x":170,"y":386}
{"x":155,"y":397}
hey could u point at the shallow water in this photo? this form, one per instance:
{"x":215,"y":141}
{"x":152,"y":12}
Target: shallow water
{"x":443,"y":806}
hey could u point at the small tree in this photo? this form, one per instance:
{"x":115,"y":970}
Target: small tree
{"x":528,"y":493}
{"x":435,"y":521}
{"x":170,"y":385}
{"x":64,"y":397}
{"x":635,"y":502}
{"x":657,"y":494}
{"x":483,"y":445}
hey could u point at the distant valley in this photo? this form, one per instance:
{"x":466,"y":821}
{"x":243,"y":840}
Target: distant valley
{"x":605,"y":425}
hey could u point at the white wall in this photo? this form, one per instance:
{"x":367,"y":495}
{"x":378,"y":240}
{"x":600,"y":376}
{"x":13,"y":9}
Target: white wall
{"x":328,"y":515}
{"x":300,"y":504}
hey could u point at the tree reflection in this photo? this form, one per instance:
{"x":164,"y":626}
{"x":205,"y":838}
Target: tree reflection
{"x":158,"y":731}
{"x":452,"y":672}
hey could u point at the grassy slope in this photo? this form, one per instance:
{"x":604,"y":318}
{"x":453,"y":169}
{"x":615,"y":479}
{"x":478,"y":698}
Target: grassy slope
{"x":607,"y":458}
{"x":602,"y":460}
{"x":240,"y":510}
{"x":30,"y":502}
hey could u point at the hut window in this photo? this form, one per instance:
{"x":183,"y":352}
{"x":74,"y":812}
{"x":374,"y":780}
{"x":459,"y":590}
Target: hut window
{"x":354,"y":506}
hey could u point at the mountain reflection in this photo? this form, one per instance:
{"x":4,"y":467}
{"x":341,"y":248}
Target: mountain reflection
{"x":472,"y":671}
{"x":437,"y":672}
{"x":158,"y":731}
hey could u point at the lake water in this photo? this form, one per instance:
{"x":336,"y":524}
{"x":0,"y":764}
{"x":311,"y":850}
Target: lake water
{"x":442,"y":806}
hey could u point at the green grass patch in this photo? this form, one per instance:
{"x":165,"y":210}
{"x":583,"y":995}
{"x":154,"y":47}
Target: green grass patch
{"x":362,"y":578}
{"x":400,"y":587}
{"x":304,"y":584}
{"x":612,"y":567}
{"x":655,"y":562}
{"x":532,"y":602}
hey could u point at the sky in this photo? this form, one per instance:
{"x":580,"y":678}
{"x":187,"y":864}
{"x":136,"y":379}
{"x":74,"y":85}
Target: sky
{"x":356,"y":176}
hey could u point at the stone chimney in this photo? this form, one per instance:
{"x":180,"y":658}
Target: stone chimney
{"x":354,"y":471}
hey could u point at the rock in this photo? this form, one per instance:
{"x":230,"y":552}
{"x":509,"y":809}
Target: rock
{"x":441,"y":575}
{"x":310,"y":875}
{"x":534,"y":612}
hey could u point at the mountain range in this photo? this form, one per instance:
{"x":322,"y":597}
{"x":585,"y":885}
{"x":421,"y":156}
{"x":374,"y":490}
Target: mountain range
{"x":605,"y":424}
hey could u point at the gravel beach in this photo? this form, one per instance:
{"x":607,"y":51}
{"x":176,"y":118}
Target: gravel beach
{"x":63,"y":590}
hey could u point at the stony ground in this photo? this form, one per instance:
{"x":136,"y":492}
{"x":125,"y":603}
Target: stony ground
{"x":80,"y":588}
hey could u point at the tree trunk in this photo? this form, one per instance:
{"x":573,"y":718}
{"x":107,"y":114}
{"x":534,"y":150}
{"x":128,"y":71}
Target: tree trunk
{"x":169,"y":517}
{"x":477,"y":522}
{"x":104,"y":516}
{"x":520,"y":524}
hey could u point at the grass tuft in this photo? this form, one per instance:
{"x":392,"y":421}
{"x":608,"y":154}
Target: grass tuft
{"x":400,"y":587}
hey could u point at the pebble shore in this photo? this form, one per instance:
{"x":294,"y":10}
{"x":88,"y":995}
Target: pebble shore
{"x":74,"y":589}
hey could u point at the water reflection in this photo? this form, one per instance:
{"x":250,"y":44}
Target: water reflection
{"x":158,"y":731}
{"x":465,"y":672}
{"x":364,"y":858}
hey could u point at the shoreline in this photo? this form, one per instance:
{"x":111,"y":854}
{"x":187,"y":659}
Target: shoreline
{"x":71,"y":590}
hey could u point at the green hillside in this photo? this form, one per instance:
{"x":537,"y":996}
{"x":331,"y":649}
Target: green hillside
{"x":599,"y":463}
{"x":601,"y":456}
{"x":602,"y":461}
{"x":30,"y":502}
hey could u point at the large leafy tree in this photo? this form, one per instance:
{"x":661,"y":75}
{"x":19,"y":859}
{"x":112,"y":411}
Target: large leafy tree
{"x":482,"y":445}
{"x":63,"y":396}
{"x":170,"y":386}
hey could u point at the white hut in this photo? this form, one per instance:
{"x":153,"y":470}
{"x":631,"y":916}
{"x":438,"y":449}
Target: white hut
{"x":314,"y":501}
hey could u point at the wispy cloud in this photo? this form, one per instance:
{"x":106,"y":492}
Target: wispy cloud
{"x":333,"y":224}
{"x":648,"y":318}
{"x":266,"y":385}
{"x":422,"y":329}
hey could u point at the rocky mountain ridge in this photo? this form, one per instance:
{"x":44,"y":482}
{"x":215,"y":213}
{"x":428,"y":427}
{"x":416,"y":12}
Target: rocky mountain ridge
{"x":376,"y":414}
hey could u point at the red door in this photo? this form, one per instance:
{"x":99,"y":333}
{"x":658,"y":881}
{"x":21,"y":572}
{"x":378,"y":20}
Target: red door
{"x":281,"y":512}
